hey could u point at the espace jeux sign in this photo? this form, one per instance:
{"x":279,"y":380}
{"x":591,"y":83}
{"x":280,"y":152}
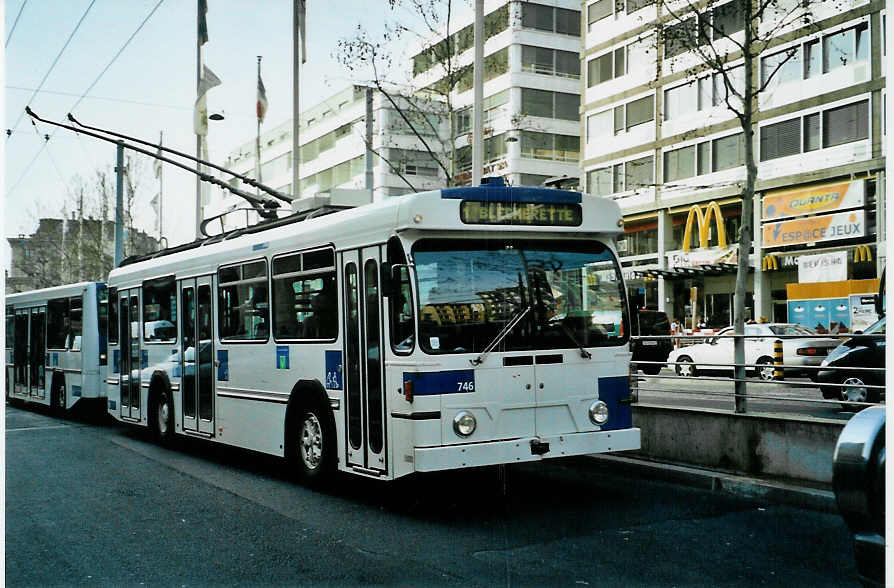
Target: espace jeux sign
{"x":815,"y":229}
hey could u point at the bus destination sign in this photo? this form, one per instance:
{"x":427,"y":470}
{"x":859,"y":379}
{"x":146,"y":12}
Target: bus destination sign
{"x":557,"y":214}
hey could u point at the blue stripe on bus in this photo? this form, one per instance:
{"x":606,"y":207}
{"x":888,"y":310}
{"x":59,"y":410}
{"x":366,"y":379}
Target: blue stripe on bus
{"x":495,"y":191}
{"x":447,"y":382}
{"x":612,"y":391}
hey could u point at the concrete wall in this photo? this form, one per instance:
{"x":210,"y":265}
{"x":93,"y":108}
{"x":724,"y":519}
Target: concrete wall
{"x":799,"y":448}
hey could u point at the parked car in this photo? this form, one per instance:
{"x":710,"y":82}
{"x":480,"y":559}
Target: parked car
{"x":858,"y":476}
{"x":651,"y":322}
{"x":716,"y":354}
{"x":858,"y":352}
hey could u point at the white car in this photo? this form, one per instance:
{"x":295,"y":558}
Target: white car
{"x":716,"y":354}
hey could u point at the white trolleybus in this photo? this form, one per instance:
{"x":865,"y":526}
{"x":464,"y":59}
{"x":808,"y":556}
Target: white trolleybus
{"x":56,"y":345}
{"x":447,"y":329}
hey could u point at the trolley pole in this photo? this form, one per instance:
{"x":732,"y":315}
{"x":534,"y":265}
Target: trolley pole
{"x":119,"y":204}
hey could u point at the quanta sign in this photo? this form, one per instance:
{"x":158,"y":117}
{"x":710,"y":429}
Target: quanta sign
{"x":815,"y":199}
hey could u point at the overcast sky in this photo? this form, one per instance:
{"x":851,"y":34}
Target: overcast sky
{"x":150,"y":88}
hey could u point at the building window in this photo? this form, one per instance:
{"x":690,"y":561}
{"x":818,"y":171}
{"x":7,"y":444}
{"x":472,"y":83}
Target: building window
{"x":846,"y":47}
{"x":547,"y":18}
{"x":634,"y":5}
{"x":703,"y":158}
{"x":546,"y":104}
{"x":679,"y":38}
{"x":813,"y":59}
{"x":599,"y":125}
{"x":780,"y":139}
{"x":728,"y":19}
{"x":679,"y":164}
{"x":812,"y":132}
{"x":722,"y":94}
{"x":640,"y":173}
{"x":784,"y":66}
{"x":728,"y":152}
{"x":640,"y":111}
{"x":680,"y":100}
{"x":598,"y":10}
{"x":600,"y":181}
{"x":551,"y":147}
{"x":553,"y":62}
{"x":846,"y":124}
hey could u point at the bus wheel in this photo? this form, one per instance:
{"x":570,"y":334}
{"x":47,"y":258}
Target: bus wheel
{"x":57,"y":398}
{"x":162,"y":417}
{"x":315,"y":446}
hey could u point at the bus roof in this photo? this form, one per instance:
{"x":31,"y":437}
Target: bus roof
{"x":436,"y":210}
{"x":48,"y":293}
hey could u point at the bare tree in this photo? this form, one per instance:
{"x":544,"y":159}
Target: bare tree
{"x":722,"y":46}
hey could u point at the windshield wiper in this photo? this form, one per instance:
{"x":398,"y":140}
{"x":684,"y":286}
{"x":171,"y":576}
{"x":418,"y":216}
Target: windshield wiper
{"x":583,"y":352}
{"x":501,"y":335}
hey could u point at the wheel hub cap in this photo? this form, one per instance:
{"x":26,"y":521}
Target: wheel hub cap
{"x":311,"y":442}
{"x":163,"y":417}
{"x":855,"y":390}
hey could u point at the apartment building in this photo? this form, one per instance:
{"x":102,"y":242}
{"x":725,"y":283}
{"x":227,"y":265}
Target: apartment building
{"x":660,"y":139}
{"x":531,"y":89}
{"x":340,"y":151}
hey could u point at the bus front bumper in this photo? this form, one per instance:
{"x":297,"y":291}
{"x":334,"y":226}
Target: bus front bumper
{"x":431,"y":459}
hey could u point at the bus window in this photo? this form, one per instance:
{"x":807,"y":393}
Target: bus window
{"x":58,"y":323}
{"x":76,"y":313}
{"x":113,"y":316}
{"x":242,"y":302}
{"x":400,"y":304}
{"x":304,"y":296}
{"x":160,"y":310}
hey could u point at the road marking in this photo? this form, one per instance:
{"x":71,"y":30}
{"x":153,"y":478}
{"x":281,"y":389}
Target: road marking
{"x":38,"y":428}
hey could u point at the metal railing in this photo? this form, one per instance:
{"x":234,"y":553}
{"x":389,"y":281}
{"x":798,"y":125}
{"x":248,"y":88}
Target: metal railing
{"x":848,"y":388}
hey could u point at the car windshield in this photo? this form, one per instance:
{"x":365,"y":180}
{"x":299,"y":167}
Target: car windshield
{"x":563,"y":295}
{"x":876,"y":329}
{"x":791,"y":330}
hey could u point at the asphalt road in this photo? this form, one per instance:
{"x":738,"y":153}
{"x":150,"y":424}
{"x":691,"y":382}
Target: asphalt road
{"x":792,"y":396}
{"x":92,"y":503}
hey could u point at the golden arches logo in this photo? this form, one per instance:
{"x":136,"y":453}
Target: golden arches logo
{"x":862,"y":253}
{"x":712,"y":212}
{"x":770,"y":263}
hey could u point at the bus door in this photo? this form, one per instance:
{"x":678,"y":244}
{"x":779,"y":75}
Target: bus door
{"x":20,"y":352}
{"x":129,"y":334}
{"x":38,"y":352}
{"x":365,"y":406}
{"x":196,"y":356}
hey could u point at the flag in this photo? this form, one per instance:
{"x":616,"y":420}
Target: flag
{"x":200,"y":112}
{"x":262,"y":98}
{"x":203,"y":23}
{"x":302,"y":29}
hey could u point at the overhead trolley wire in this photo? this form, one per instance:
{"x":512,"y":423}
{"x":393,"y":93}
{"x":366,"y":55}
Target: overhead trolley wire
{"x":18,"y":16}
{"x":55,"y":61}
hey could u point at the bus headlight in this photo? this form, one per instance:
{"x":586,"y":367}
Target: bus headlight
{"x":598,"y":412}
{"x":464,"y":423}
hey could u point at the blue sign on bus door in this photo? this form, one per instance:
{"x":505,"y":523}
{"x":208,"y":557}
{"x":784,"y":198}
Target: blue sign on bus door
{"x":333,"y":370}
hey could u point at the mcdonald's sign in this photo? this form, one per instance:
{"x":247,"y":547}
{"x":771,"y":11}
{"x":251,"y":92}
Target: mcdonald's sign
{"x":862,"y":253}
{"x":712,"y":211}
{"x":769,"y":263}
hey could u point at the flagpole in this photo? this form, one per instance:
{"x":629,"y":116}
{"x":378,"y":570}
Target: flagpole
{"x":201,"y":18}
{"x":258,"y":139}
{"x":161,"y":192}
{"x":298,"y":15}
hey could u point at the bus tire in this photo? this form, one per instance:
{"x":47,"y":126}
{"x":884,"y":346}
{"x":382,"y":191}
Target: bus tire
{"x":310,"y":437}
{"x":58,"y":401}
{"x":161,"y":414}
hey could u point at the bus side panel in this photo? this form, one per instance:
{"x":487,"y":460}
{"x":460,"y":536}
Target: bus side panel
{"x":238,"y":423}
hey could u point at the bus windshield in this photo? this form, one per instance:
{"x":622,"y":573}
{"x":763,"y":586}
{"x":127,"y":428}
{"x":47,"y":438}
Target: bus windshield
{"x":560,"y":294}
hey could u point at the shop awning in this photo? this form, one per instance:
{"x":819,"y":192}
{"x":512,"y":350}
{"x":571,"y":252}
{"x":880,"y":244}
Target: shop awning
{"x":683,"y":273}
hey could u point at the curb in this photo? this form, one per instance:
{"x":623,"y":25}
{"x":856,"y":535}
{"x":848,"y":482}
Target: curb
{"x":743,"y":486}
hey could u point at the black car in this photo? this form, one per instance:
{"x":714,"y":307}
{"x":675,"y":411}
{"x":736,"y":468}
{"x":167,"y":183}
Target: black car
{"x":855,"y":385}
{"x":858,"y":475}
{"x":651,"y":323}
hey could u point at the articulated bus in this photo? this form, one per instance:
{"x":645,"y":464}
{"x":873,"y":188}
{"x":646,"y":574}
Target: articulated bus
{"x":56,"y":345}
{"x":447,"y":329}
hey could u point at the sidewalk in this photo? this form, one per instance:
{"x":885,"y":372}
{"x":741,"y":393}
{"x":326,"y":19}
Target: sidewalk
{"x":818,"y":497}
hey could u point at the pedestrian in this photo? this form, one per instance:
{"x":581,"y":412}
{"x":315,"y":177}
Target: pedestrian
{"x":675,"y":330}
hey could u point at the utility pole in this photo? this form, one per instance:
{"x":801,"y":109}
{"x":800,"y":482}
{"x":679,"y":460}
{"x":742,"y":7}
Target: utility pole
{"x":478,"y":82}
{"x":119,"y":204}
